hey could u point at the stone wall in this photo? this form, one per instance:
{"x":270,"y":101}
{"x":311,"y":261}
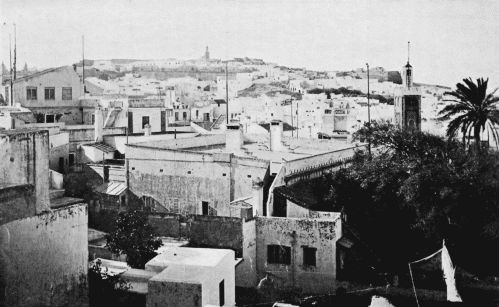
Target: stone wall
{"x":47,"y":258}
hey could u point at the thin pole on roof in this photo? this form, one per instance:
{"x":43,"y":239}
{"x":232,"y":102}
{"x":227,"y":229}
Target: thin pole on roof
{"x":83,"y":61}
{"x":15,"y":53}
{"x":368,"y":113}
{"x":11,"y":77}
{"x":227,"y":90}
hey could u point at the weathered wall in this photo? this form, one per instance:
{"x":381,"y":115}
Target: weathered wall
{"x":216,"y":231}
{"x":203,"y":231}
{"x":191,"y":177}
{"x":24,"y":155}
{"x":246,"y":275}
{"x":166,"y":175}
{"x":17,"y":202}
{"x":173,"y":294}
{"x":47,"y":258}
{"x":299,"y":233}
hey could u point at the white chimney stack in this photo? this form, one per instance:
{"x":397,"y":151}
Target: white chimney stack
{"x":98,"y":125}
{"x":275,"y":135}
{"x":233,"y":138}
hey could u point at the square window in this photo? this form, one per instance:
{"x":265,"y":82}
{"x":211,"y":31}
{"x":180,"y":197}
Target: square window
{"x":309,"y":256}
{"x":31,"y":93}
{"x":278,"y":254}
{"x":67,"y":93}
{"x":50,"y":93}
{"x":49,"y":118}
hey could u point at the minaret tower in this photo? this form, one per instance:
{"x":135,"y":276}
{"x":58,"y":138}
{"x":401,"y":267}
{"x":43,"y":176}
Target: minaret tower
{"x":407,"y":100}
{"x":207,"y":54}
{"x":407,"y":70}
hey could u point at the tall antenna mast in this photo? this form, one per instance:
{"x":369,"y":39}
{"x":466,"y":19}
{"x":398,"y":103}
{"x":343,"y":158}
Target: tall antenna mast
{"x":83,"y":61}
{"x":11,"y":77}
{"x":408,"y":51}
{"x":227,"y":89}
{"x":15,"y":53}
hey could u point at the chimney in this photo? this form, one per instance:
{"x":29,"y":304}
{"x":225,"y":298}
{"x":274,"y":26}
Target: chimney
{"x":257,"y":193}
{"x":98,"y":124}
{"x":233,"y":138}
{"x":275,"y":135}
{"x":147,"y":130}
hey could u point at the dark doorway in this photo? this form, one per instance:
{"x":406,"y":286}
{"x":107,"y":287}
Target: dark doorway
{"x":106,"y":173}
{"x":221,"y":292}
{"x":61,"y":165}
{"x":71,"y":159}
{"x":205,"y":207}
{"x":280,"y":204}
{"x":163,"y":121}
{"x":130,"y":122}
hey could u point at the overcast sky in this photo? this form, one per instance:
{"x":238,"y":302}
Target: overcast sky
{"x":450,"y":39}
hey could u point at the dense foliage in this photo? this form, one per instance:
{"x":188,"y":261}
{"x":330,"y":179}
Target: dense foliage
{"x":471,"y":109}
{"x":133,"y":236}
{"x":106,"y":289}
{"x":416,"y":190}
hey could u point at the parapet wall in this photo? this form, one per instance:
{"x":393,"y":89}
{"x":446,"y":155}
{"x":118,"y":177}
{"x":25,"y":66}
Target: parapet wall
{"x":47,"y":258}
{"x":202,"y":231}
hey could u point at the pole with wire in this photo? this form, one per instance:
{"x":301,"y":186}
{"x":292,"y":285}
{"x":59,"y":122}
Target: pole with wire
{"x":368,"y":114}
{"x":227,"y":90}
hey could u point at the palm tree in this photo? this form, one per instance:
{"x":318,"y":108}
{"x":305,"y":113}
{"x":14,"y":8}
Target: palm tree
{"x":473,"y":110}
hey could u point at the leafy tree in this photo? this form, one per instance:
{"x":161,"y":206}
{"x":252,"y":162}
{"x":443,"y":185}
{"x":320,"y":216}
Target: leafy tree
{"x":416,"y":190}
{"x":134,"y":237}
{"x":472,"y":108}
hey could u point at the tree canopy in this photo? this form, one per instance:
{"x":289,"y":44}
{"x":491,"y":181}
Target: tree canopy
{"x":471,"y":109}
{"x":133,"y":236}
{"x":417,"y":190}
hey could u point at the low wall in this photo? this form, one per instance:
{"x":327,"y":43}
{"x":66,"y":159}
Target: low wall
{"x":46,"y":258}
{"x":201,"y":230}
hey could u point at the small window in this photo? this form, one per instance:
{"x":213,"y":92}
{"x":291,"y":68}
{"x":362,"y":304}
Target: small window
{"x":197,"y":114}
{"x":67,"y":93}
{"x":184,"y":115}
{"x":327,"y":111}
{"x":278,"y":254}
{"x":93,"y":119}
{"x":309,"y":256}
{"x":31,"y":93}
{"x":49,"y":118}
{"x":221,"y":292}
{"x":50,"y":93}
{"x":176,"y":116}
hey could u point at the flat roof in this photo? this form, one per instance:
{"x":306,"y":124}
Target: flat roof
{"x":189,"y":256}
